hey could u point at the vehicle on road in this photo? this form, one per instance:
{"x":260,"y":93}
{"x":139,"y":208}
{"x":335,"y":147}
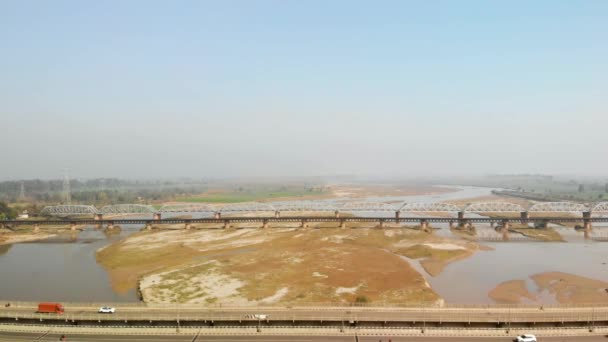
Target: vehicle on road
{"x":106,"y":309}
{"x":525,"y":338}
{"x":257,"y":316}
{"x":50,"y":308}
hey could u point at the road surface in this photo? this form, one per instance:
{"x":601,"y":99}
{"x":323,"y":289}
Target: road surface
{"x":16,"y":337}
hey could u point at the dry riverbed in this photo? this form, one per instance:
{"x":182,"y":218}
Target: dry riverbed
{"x":562,"y":288}
{"x":280,"y":265}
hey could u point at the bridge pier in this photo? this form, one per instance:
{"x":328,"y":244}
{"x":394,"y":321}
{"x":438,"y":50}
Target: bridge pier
{"x":265,"y":223}
{"x":304,"y":223}
{"x":226,"y":224}
{"x":451,"y":224}
{"x":148,"y":226}
{"x":342,"y":223}
{"x":277,"y":214}
{"x":72,"y":226}
{"x":587,"y":220}
{"x":187,"y":225}
{"x":492,"y":224}
{"x":524,"y":217}
{"x":110,"y":225}
{"x":381,"y":224}
{"x":505,"y":229}
{"x":156,"y":217}
{"x":424,"y":225}
{"x":98,"y":217}
{"x":461,"y":221}
{"x":36,"y":228}
{"x":337,"y":214}
{"x":397,"y":216}
{"x":217,"y":215}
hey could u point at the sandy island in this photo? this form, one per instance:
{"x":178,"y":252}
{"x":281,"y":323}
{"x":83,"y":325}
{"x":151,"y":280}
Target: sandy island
{"x":564,"y":288}
{"x":279,"y":265}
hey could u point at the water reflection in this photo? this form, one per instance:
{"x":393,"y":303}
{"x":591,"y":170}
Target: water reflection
{"x":4,"y":249}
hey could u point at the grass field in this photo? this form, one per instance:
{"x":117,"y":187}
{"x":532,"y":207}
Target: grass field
{"x":247,"y":196}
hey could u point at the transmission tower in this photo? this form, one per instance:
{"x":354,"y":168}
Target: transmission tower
{"x":22,"y":192}
{"x":67,"y":195}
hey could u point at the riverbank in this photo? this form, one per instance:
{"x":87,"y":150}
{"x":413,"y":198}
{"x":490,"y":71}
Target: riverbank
{"x":10,"y":237}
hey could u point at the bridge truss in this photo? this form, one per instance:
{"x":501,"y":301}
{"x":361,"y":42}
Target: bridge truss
{"x":66,"y":210}
{"x":494,"y":207}
{"x":127,"y":209}
{"x":558,"y":207}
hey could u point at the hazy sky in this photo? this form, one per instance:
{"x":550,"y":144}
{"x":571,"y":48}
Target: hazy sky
{"x":239,"y":88}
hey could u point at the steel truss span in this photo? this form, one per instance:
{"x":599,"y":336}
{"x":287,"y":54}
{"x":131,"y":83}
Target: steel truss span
{"x":303,"y":206}
{"x":127,"y":209}
{"x":367,"y":206}
{"x":600,"y":207}
{"x":558,"y":207}
{"x":65,"y":210}
{"x":494,"y":207}
{"x":188,"y":208}
{"x":326,"y":206}
{"x":428,"y":207}
{"x":247,"y":207}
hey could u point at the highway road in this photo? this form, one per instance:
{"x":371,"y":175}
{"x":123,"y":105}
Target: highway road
{"x":305,"y":314}
{"x":17,"y":337}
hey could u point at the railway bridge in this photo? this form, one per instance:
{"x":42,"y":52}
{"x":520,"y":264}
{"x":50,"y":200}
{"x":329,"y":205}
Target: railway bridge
{"x":305,"y":212}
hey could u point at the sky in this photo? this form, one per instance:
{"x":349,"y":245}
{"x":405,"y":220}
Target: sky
{"x":302,"y":88}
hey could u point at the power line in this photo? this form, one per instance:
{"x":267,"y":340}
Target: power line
{"x":67,"y":195}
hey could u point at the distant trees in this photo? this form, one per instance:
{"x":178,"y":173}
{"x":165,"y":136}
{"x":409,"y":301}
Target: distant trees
{"x":7,"y":212}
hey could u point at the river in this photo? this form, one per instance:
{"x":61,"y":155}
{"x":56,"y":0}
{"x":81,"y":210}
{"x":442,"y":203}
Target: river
{"x":64,"y":268}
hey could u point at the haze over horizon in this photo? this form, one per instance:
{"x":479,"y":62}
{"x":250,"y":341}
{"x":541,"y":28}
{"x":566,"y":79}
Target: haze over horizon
{"x":270,"y":88}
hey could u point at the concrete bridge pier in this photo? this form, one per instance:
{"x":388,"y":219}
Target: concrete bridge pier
{"x":72,"y":226}
{"x":226,"y":224}
{"x":98,"y":217}
{"x":277,"y":214}
{"x":265,"y":223}
{"x":304,"y":223}
{"x":451,"y":223}
{"x":337,"y":214}
{"x":156,"y":217}
{"x":505,"y":229}
{"x":187,"y":225}
{"x":381,"y":224}
{"x":217,"y":215}
{"x":424,"y":225}
{"x":36,"y":228}
{"x":110,"y":225}
{"x":461,"y":221}
{"x":524,"y":217}
{"x":342,"y":223}
{"x":587,"y":220}
{"x":492,"y":224}
{"x":148,"y":226}
{"x":397,"y":216}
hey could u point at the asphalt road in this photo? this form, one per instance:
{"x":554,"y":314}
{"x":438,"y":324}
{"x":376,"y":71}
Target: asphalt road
{"x":17,"y":337}
{"x":326,"y":314}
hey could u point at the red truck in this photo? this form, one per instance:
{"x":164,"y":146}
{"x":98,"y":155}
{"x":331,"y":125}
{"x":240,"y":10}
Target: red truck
{"x":50,"y":308}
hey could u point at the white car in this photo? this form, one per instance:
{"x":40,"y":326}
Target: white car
{"x":106,"y":309}
{"x":257,"y":316}
{"x":525,"y":338}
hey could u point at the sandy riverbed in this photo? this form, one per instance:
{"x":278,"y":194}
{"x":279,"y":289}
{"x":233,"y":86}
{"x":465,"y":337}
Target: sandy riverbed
{"x":277,"y":265}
